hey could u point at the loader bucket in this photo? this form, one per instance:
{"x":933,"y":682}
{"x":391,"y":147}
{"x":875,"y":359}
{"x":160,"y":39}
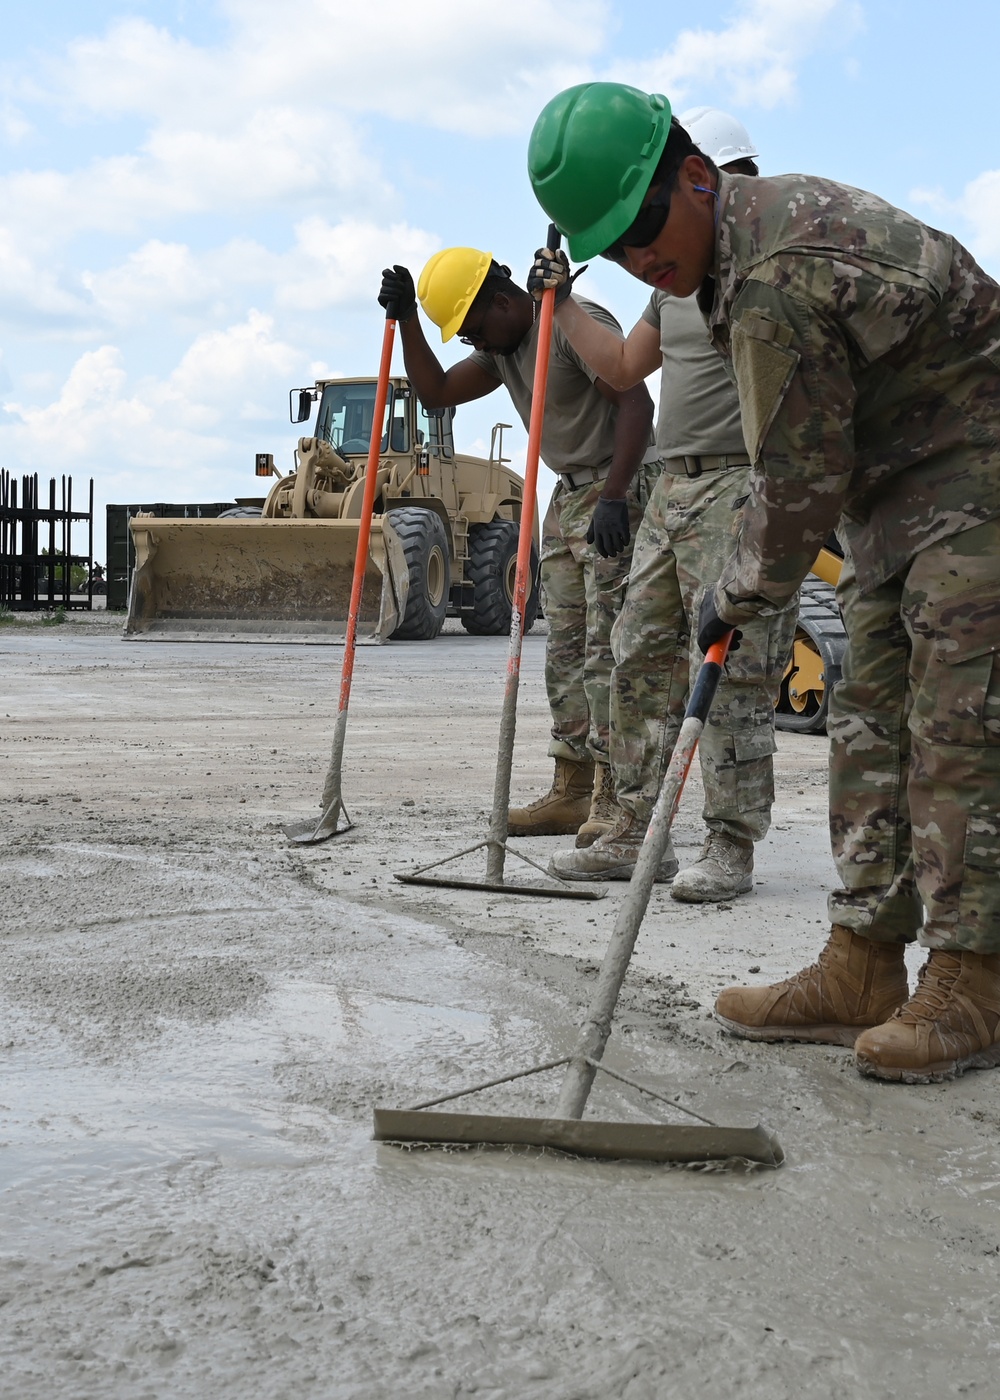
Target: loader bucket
{"x":260,"y":580}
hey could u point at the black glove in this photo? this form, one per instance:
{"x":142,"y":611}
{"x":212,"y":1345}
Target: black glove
{"x":609,"y":529}
{"x":711,"y":627}
{"x":398,"y":291}
{"x":552,"y":270}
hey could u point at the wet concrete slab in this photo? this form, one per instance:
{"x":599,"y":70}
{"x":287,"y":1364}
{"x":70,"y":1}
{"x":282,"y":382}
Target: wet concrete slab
{"x":196,"y":1021}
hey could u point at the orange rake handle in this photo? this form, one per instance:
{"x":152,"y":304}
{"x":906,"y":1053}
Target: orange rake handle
{"x":332,"y":800}
{"x":367,"y":510}
{"x":539,"y":389}
{"x":698,"y":705}
{"x":496,"y":843}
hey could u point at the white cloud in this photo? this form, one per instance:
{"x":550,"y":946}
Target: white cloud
{"x":273,"y":119}
{"x":170,"y":279}
{"x":328,"y":265}
{"x":977,"y":208}
{"x":337,"y":263}
{"x":155,"y":278}
{"x":91,"y":406}
{"x":753,"y":60}
{"x":228,"y":374}
{"x":274,"y":157}
{"x":442,"y":63}
{"x":273,"y":115}
{"x":31,"y":290}
{"x":224,"y":378}
{"x":14,"y":126}
{"x":137,"y":69}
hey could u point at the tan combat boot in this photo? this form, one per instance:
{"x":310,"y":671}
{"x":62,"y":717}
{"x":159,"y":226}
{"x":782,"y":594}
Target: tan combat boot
{"x":723,"y":870}
{"x":604,"y":810}
{"x":949,"y":1025}
{"x":612,"y":856}
{"x":854,"y":984}
{"x":563,"y":809}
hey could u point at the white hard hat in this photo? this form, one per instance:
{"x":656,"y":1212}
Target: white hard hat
{"x":721,"y":137}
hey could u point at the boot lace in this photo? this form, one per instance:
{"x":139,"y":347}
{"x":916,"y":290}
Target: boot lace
{"x":809,"y":975}
{"x":622,"y":829}
{"x":723,"y":849}
{"x":935,"y":981}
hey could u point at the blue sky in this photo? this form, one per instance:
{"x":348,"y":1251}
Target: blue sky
{"x":196,"y":200}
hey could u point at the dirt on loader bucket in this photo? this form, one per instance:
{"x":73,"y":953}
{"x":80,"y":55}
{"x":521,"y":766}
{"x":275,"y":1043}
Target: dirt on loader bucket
{"x":260,"y":580}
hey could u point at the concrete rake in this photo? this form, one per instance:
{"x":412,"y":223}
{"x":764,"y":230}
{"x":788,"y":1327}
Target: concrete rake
{"x":495,"y":843}
{"x":312,"y":832}
{"x":567,"y":1130}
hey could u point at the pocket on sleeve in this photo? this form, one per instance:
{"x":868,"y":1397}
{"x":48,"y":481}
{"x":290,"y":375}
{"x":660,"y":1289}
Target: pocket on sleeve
{"x":765,"y":364}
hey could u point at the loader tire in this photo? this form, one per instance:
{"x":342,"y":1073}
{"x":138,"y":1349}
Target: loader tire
{"x":241,"y":513}
{"x":492,"y":565}
{"x":814,"y":666}
{"x":425,"y":547}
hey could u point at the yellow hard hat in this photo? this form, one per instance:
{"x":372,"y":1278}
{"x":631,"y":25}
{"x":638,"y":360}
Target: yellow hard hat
{"x":448,"y":286}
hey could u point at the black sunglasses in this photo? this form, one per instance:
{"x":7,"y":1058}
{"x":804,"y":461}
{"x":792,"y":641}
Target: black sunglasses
{"x":478,"y":333}
{"x":644,"y":229}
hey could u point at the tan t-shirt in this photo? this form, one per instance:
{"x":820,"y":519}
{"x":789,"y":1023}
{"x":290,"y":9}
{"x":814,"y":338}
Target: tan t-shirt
{"x":699,"y":405}
{"x":579,"y":425}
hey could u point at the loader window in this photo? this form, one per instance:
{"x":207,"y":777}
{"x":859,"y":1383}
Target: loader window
{"x":345,"y":416}
{"x":398,"y":437}
{"x":435,"y":428}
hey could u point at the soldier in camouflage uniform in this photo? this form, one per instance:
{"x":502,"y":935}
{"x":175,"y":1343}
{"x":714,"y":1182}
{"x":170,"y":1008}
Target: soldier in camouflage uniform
{"x":582,"y":595}
{"x":595,"y":439}
{"x":686,"y":535}
{"x":866,"y":351}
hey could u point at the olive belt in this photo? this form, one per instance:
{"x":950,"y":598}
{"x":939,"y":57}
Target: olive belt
{"x":694,"y":466}
{"x":583,"y":476}
{"x":587,"y":476}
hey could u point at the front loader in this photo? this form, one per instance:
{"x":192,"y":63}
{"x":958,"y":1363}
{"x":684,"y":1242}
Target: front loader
{"x":443,"y":539}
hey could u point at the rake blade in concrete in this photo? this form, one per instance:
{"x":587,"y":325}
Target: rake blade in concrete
{"x":644,"y":1142}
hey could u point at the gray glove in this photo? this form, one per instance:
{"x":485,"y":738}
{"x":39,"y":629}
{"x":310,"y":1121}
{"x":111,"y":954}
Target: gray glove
{"x":552,"y":270}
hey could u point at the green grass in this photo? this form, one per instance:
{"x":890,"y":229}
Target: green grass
{"x":54,"y":618}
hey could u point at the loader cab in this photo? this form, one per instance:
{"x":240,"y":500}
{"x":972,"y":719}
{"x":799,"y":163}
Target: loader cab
{"x":347,"y":407}
{"x":346,"y":411}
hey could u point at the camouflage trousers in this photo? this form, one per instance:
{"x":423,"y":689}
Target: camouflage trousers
{"x":915,"y":750}
{"x":581,"y":596}
{"x":686,"y":535}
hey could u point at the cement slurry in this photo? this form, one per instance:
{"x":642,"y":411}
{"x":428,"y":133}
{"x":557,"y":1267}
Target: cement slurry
{"x":196,"y":1019}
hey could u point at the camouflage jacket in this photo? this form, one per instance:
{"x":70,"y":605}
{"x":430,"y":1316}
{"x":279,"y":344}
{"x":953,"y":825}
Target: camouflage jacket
{"x":866,"y":350}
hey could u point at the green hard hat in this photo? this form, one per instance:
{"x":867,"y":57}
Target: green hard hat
{"x":591,"y":157}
